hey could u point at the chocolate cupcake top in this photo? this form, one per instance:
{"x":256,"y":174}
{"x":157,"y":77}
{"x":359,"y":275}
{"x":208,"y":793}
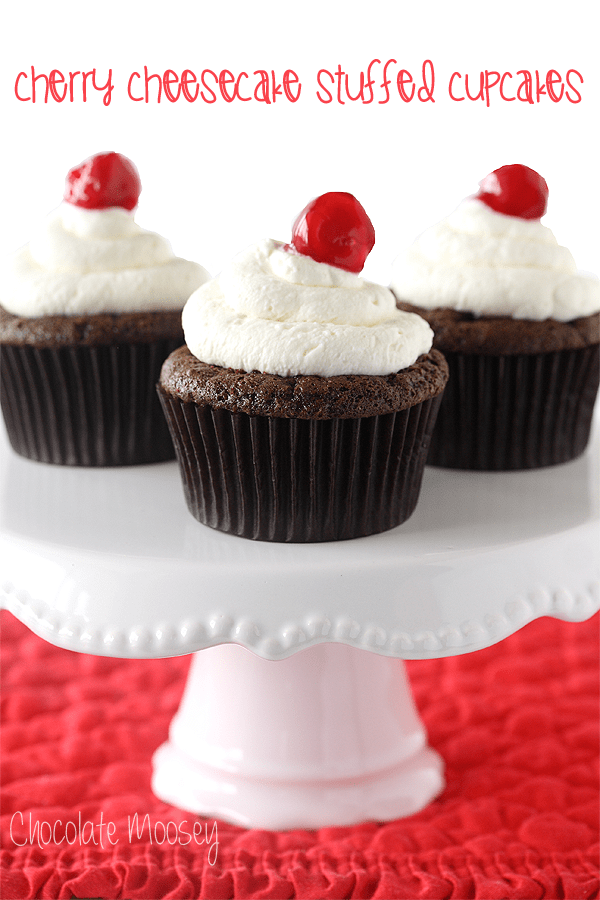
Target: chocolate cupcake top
{"x":302,"y":396}
{"x":102,"y":328}
{"x":462,"y":332}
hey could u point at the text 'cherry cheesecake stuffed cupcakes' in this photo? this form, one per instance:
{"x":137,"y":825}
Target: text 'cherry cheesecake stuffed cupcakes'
{"x":302,"y":406}
{"x":517,"y":322}
{"x":90,"y":309}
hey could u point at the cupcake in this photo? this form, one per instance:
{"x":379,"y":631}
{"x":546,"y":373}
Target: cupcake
{"x":302,"y":404}
{"x":517,"y":322}
{"x":89,"y":310}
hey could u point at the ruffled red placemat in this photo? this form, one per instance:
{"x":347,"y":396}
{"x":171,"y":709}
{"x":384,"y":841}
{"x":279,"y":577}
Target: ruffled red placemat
{"x":517,"y":725}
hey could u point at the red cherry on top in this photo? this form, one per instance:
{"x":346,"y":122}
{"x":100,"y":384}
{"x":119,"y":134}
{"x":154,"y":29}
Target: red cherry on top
{"x":103,"y":180}
{"x":515,"y":191}
{"x":334,"y":229}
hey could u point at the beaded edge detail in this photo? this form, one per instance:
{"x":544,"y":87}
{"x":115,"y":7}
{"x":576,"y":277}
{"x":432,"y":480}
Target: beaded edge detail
{"x":189,"y":636}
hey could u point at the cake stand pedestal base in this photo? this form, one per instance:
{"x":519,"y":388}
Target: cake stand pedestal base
{"x":327,"y":737}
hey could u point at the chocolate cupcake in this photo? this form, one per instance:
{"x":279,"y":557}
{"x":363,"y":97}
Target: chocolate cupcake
{"x":302,"y":406}
{"x":89,"y":311}
{"x":517,"y":323}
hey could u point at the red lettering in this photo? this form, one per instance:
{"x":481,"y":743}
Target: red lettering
{"x":427,"y":71}
{"x":107,"y":88}
{"x":506,"y":75}
{"x":85,"y":76}
{"x":370,"y":81}
{"x":289,"y":76}
{"x":71,"y":85}
{"x":339,"y":72}
{"x":525,"y":88}
{"x":540,"y":88}
{"x":237,"y":87}
{"x":129,"y":94}
{"x":204,"y":84}
{"x":572,"y":86}
{"x":359,"y":96}
{"x":17,"y":95}
{"x":262,"y":87}
{"x":34,"y":79}
{"x":386,"y":81}
{"x":170,"y":77}
{"x":490,"y":84}
{"x":552,"y":78}
{"x":226,"y":77}
{"x":276,"y":87}
{"x":55,"y":78}
{"x":187,"y":78}
{"x":478,"y":96}
{"x":56,"y":86}
{"x":452,"y":77}
{"x":401,"y":81}
{"x":321,"y":85}
{"x":147,"y":79}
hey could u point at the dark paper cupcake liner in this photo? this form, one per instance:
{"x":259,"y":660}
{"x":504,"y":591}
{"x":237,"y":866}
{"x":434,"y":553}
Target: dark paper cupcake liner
{"x":522,"y":411}
{"x":300,"y":480}
{"x":86,"y":405}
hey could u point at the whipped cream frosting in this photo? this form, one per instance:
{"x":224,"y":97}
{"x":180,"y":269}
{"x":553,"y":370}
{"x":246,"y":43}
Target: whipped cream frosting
{"x":487,"y":263}
{"x":88,"y":261}
{"x":276,"y":311}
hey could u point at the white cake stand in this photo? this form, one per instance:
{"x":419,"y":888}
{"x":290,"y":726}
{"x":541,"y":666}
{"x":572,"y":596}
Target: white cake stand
{"x":110,"y":562}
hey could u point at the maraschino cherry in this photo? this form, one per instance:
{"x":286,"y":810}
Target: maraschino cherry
{"x":334,"y":229}
{"x":103,"y":180}
{"x":515,"y":191}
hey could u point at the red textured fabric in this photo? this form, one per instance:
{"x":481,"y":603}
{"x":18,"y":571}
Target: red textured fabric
{"x":517,"y":725}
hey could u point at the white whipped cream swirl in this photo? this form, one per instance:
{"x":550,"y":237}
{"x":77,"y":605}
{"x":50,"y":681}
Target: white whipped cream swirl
{"x":88,"y":261}
{"x":276,"y":311}
{"x":486,"y":263}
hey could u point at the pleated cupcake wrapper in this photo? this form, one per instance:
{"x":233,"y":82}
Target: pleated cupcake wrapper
{"x":86,"y":406}
{"x":515,"y":412}
{"x":295,"y":480}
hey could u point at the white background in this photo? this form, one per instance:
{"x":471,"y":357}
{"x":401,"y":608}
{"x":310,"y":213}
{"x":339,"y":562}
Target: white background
{"x":217,"y":177}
